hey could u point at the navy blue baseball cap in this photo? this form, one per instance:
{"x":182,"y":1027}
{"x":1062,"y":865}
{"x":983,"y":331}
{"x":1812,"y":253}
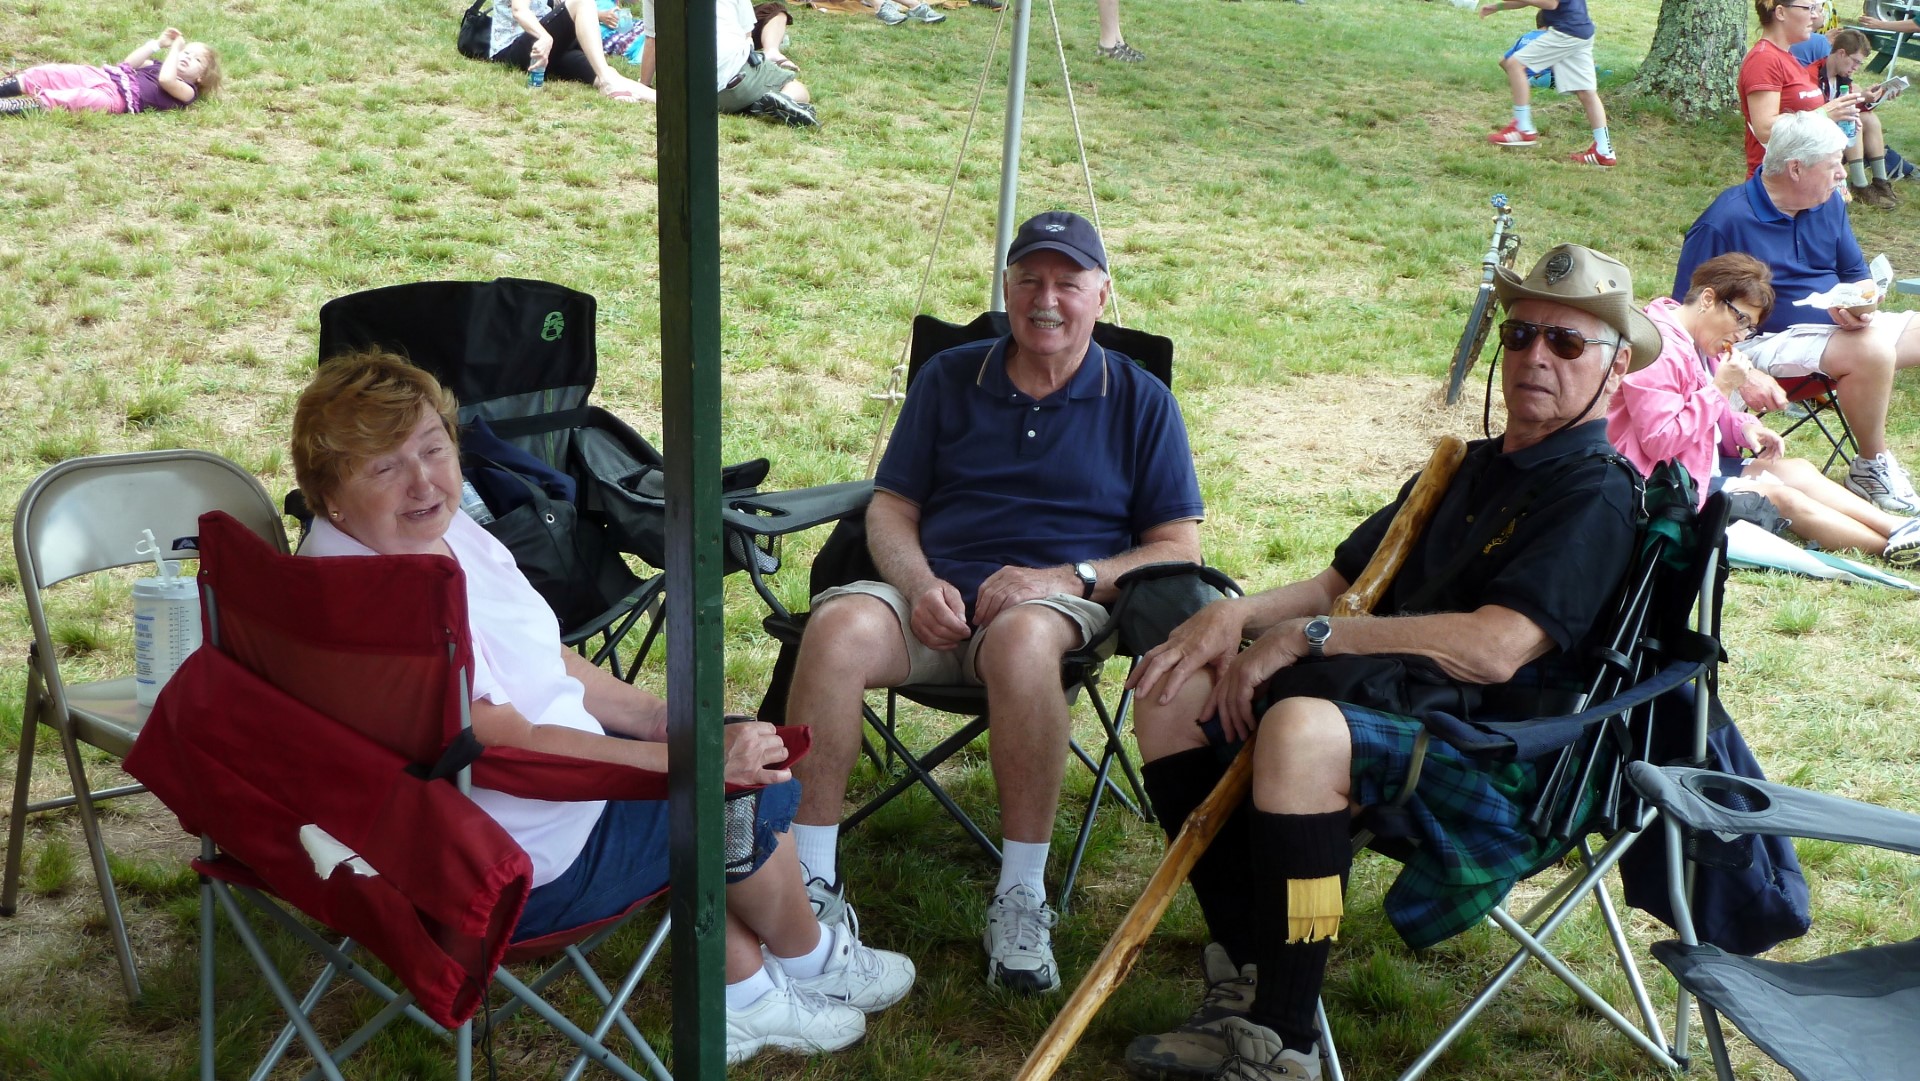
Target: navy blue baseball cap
{"x":1063,"y":231}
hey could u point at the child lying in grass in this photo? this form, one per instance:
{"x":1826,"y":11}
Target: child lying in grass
{"x":137,"y":84}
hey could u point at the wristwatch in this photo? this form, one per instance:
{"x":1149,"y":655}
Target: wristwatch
{"x":1088,"y":578}
{"x":1318,"y":630}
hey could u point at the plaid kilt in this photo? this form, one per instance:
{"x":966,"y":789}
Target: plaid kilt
{"x":1470,"y":844}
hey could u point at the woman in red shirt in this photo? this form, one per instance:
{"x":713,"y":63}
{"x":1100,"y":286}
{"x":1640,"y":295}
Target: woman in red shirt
{"x":1773,"y":82}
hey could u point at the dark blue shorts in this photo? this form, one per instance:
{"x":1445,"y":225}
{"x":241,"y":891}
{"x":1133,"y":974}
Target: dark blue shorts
{"x":626,"y":858}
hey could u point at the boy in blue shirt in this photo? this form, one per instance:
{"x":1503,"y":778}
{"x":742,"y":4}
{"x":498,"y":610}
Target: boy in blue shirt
{"x":1566,"y":48}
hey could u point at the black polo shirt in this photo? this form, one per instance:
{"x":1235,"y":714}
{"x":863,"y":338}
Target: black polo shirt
{"x":1559,"y":563}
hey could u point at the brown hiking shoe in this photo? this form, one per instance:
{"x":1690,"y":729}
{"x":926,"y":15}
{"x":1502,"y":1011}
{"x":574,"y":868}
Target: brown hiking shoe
{"x":1865,"y":195}
{"x":1885,"y":188}
{"x":1198,"y":1048}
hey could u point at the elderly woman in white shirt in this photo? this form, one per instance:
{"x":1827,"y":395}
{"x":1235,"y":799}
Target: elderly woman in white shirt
{"x":375,"y":453}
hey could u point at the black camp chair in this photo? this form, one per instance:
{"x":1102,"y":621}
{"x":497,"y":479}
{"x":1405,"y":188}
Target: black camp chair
{"x":1651,"y":693}
{"x":520,"y":357}
{"x":844,"y":559}
{"x":1848,"y":1016}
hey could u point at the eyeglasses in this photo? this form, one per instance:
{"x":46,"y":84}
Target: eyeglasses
{"x":1565,"y":342}
{"x":1748,"y":331}
{"x":1806,"y":7}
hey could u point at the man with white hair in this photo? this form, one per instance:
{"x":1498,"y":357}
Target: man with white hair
{"x":1026,"y":474}
{"x":1791,"y":216}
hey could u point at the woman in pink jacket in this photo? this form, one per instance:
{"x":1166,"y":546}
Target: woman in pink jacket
{"x":1683,"y":406}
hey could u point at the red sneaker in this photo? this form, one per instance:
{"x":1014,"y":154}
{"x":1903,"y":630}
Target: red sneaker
{"x":1511,"y":135}
{"x":1592,"y":156}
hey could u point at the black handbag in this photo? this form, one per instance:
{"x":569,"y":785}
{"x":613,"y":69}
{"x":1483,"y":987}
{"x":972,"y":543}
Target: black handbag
{"x":476,"y":32}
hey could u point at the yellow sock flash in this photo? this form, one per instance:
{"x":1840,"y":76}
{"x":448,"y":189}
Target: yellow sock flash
{"x":1314,"y":907}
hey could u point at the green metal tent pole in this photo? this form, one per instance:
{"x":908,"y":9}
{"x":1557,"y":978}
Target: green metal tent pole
{"x":689,"y":171}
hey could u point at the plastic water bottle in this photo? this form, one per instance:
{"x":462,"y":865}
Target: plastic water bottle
{"x":475,"y":506}
{"x":166,"y":622}
{"x":537,"y":77}
{"x":1849,"y":128}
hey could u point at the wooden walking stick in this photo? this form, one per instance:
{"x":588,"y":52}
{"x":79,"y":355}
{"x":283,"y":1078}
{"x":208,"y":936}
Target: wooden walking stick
{"x":1123,"y":949}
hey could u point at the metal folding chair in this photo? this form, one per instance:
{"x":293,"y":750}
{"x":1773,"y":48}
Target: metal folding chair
{"x":79,"y":518}
{"x":1817,"y":395}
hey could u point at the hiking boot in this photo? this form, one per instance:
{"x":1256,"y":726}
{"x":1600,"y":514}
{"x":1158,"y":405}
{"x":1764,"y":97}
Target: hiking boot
{"x":792,"y":1018}
{"x":1198,"y":1048}
{"x":1120,"y":51}
{"x":1885,"y":187}
{"x":925,"y":13}
{"x":1880,"y":481}
{"x":830,"y":905}
{"x":777,"y":106}
{"x":1019,"y":942}
{"x":890,"y":13}
{"x":1903,"y":547}
{"x":1511,"y":135}
{"x":1255,"y":1053}
{"x":860,"y":976}
{"x":1592,"y":156}
{"x":1868,"y":195}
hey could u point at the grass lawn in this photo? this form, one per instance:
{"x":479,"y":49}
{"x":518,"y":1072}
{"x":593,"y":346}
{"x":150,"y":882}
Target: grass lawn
{"x":1296,"y":195}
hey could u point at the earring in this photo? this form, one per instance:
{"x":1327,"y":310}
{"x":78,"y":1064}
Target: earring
{"x":335,"y":515}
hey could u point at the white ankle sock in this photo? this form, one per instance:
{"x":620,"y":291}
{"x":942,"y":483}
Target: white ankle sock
{"x":817,"y":847}
{"x":1523,"y":117}
{"x":1602,"y":142}
{"x":748,"y":991}
{"x":811,"y":963}
{"x":1023,"y":864}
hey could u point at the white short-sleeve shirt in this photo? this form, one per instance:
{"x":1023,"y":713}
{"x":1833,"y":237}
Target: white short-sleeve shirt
{"x":517,"y":662}
{"x":732,"y":36}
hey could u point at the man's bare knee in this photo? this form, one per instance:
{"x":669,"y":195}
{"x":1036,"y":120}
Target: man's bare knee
{"x":1023,"y":645}
{"x":858,"y":636}
{"x":1303,"y":758}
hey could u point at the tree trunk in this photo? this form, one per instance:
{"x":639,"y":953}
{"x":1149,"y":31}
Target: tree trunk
{"x":1694,"y":64}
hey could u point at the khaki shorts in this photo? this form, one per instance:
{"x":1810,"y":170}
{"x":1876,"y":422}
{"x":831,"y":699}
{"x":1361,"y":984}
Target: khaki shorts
{"x":1797,"y":350}
{"x":1571,"y":59}
{"x":756,"y":82}
{"x":955,"y":666}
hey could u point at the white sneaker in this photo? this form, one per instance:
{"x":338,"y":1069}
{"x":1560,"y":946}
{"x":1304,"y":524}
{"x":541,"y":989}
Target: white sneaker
{"x":925,"y":14}
{"x":1903,"y":546}
{"x":1255,"y":1053}
{"x":1019,"y":942}
{"x":860,"y":976}
{"x":792,"y":1018}
{"x":890,"y":13}
{"x":830,"y":905}
{"x":1880,"y":480}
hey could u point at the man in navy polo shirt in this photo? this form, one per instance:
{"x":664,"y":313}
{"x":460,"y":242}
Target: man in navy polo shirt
{"x":1025,"y":475}
{"x":1791,"y":217}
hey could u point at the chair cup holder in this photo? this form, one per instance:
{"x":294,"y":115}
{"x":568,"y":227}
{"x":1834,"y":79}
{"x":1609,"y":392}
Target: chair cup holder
{"x":1734,"y":794}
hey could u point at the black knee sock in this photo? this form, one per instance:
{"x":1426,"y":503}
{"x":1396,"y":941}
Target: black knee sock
{"x":10,"y":87}
{"x":1177,"y":784}
{"x":1298,"y":865}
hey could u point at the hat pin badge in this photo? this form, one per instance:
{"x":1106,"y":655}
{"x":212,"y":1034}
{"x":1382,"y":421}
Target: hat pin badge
{"x":1559,"y":267}
{"x":1054,"y":227}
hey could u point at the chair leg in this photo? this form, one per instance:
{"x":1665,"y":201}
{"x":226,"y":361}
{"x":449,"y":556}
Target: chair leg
{"x":315,"y":1046}
{"x":207,"y":969}
{"x":103,"y":875}
{"x":920,"y":771}
{"x":1329,"y":1055}
{"x":22,"y":777}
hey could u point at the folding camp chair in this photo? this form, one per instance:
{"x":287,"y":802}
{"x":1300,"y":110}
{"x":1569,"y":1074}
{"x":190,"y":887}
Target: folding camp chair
{"x":1816,"y":394}
{"x":1652,"y":689}
{"x":844,"y":558}
{"x":322,"y":757}
{"x":81,"y":517}
{"x":1848,"y":1016}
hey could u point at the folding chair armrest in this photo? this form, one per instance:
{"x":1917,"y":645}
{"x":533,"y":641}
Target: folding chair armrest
{"x":775,"y":514}
{"x":1699,"y":798}
{"x":538,"y":775}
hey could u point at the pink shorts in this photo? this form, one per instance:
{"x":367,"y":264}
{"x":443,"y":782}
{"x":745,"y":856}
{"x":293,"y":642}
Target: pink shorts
{"x":77,"y":88}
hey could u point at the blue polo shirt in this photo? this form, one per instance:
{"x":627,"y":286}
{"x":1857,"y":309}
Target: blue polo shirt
{"x":1570,"y":18}
{"x":1004,"y":480}
{"x":1809,"y":252}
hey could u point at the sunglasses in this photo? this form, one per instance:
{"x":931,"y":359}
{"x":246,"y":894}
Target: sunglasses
{"x":1565,"y":342}
{"x":1747,"y":330}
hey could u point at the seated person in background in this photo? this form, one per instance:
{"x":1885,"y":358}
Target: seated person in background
{"x":564,"y":39}
{"x":1775,"y":83}
{"x":374,"y":453}
{"x":1025,"y":474}
{"x":1790,"y":217}
{"x":1680,"y":406}
{"x":747,"y":80}
{"x":894,"y":12}
{"x":1832,"y":59}
{"x":1515,"y":619}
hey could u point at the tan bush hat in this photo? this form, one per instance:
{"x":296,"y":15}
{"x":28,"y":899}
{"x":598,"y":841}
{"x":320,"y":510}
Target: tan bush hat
{"x":1595,"y":283}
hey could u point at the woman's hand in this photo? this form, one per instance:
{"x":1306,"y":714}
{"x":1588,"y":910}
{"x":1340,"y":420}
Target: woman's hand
{"x":610,"y":18}
{"x":1766,"y":443}
{"x":1844,"y":107}
{"x":542,"y":48}
{"x":1732,"y":375}
{"x":754,"y":749}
